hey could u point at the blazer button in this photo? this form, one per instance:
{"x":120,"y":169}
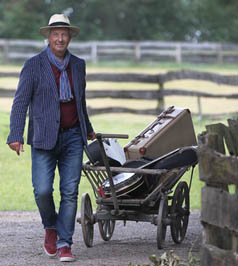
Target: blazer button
{"x":57,"y":121}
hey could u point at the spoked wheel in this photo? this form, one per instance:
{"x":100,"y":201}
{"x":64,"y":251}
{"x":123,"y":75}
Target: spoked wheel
{"x":180,"y":212}
{"x":161,"y":222}
{"x":106,"y":228}
{"x":87,"y":220}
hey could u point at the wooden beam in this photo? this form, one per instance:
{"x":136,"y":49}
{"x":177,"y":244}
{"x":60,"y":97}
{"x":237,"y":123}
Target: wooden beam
{"x":219,"y":208}
{"x":215,"y":167}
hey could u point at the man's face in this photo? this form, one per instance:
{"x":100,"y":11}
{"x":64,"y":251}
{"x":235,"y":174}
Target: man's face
{"x":59,"y":39}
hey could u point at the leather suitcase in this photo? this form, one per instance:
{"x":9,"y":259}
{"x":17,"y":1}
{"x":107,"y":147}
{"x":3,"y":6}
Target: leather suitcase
{"x":172,"y":129}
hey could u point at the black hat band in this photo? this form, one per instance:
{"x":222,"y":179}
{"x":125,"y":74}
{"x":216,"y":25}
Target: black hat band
{"x":59,"y":24}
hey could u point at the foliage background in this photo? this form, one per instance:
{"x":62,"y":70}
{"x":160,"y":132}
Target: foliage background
{"x":180,"y":20}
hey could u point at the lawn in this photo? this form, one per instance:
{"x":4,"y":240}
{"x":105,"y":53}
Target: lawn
{"x":15,"y":171}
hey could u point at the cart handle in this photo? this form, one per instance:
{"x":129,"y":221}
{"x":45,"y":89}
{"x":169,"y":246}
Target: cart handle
{"x":114,"y":136}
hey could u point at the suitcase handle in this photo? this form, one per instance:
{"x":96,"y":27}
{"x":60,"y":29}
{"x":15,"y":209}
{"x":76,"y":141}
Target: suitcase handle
{"x":113,"y":136}
{"x":163,"y":115}
{"x":156,"y":122}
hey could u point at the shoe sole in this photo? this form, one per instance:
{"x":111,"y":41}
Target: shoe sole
{"x":67,"y":259}
{"x":48,"y":254}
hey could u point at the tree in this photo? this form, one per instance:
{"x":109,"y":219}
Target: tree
{"x":22,"y":18}
{"x":216,"y":20}
{"x":130,"y":19}
{"x":180,"y":20}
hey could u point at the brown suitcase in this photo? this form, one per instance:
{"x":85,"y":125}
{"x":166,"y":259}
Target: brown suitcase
{"x":172,"y":129}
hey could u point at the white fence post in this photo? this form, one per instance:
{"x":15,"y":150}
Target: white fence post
{"x":178,"y":52}
{"x":6,"y":50}
{"x":94,"y":55}
{"x":219,"y":54}
{"x":137,"y":51}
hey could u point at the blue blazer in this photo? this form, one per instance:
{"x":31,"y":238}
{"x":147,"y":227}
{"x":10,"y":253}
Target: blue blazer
{"x":37,"y":90}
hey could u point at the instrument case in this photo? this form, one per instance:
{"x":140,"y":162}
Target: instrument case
{"x":172,"y":129}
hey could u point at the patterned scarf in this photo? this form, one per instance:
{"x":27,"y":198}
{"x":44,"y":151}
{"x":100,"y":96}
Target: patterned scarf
{"x":65,"y":88}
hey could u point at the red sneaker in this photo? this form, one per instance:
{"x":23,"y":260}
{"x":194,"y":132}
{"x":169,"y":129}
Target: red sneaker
{"x":50,"y":242}
{"x":65,"y":254}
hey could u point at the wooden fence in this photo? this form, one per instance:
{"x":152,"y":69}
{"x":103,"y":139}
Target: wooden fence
{"x":145,"y":94}
{"x":158,"y":51}
{"x":219,"y":209}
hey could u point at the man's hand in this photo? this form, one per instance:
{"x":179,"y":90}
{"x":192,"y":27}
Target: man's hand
{"x":92,"y":136}
{"x":17,"y":147}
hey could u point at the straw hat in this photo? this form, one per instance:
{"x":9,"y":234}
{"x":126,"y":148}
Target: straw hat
{"x":59,"y":21}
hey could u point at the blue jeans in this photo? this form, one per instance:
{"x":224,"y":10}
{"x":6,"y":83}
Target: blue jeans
{"x":67,"y":155}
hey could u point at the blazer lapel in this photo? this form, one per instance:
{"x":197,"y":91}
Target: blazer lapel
{"x":77,"y":78}
{"x":48,"y":72}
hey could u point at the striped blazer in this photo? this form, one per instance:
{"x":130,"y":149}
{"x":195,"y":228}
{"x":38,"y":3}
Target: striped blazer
{"x":37,"y":91}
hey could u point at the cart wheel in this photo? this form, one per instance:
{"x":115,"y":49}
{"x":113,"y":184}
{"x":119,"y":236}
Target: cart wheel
{"x":180,"y":212}
{"x":87,"y":220}
{"x":161,"y":222}
{"x":106,"y":228}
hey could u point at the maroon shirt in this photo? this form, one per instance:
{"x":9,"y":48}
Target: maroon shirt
{"x":68,"y":111}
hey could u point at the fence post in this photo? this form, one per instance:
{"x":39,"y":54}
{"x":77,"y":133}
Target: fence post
{"x":160,"y":104}
{"x":199,"y":106}
{"x":178,"y":53}
{"x":217,"y":170}
{"x":6,"y":51}
{"x":94,"y":55}
{"x":219,"y":54}
{"x":137,"y":51}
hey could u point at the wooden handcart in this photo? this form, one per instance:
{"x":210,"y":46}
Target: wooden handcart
{"x":160,"y":205}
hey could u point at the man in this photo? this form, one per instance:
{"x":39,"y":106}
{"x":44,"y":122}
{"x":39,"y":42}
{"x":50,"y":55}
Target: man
{"x":52,"y":85}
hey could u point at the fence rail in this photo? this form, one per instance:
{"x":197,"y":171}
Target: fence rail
{"x":158,"y":94}
{"x":219,"y":201}
{"x":95,"y":51}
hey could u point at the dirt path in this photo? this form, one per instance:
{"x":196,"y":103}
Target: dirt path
{"x":22,"y":237}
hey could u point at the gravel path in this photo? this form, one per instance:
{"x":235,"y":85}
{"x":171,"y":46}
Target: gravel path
{"x":22,"y":237}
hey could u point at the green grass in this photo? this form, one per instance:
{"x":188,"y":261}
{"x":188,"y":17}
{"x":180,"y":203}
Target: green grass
{"x":16,"y":191}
